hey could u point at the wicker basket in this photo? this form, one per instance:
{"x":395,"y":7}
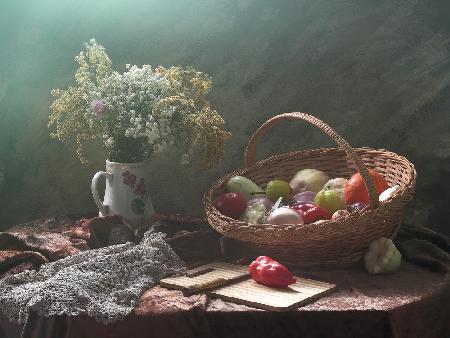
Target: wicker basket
{"x":330,"y":243}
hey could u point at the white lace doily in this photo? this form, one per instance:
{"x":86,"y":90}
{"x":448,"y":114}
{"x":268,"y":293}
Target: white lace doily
{"x":102,"y":283}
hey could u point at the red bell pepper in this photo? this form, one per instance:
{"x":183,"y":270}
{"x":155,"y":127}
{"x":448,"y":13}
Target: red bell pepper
{"x":266,"y":271}
{"x":311,"y":212}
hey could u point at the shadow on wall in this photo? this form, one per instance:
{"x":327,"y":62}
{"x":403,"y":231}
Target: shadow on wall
{"x":2,"y":175}
{"x":379,"y":72}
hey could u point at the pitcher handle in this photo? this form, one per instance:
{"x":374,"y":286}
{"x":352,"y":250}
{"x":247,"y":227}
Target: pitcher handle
{"x":103,"y":208}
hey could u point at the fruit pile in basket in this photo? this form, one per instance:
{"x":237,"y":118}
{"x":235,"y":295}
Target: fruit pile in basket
{"x":310,"y":196}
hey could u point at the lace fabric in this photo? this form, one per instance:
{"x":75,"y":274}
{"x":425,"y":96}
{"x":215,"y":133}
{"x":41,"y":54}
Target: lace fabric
{"x":102,"y":283}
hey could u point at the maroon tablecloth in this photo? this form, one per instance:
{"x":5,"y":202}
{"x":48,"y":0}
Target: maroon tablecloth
{"x":414,"y":302}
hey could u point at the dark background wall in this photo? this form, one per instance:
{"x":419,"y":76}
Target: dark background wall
{"x":378,"y":71}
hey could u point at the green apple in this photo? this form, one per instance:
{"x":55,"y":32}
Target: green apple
{"x":278,"y":188}
{"x":330,"y":200}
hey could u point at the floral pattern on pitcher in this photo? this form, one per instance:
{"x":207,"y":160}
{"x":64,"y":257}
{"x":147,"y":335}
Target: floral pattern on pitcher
{"x":129,"y":179}
{"x":138,"y":206}
{"x":141,"y":189}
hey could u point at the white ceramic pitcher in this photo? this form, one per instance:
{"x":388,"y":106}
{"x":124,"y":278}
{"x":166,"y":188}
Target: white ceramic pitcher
{"x":126,"y":192}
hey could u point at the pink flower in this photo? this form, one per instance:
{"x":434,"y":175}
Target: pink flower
{"x":98,"y":106}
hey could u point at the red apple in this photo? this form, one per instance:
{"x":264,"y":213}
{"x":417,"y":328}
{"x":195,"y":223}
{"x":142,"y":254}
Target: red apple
{"x":231,"y":204}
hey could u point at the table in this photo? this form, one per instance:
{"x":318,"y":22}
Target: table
{"x":413,"y":302}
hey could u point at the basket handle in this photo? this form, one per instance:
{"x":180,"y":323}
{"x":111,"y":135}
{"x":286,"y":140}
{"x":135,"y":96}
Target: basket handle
{"x":250,"y":152}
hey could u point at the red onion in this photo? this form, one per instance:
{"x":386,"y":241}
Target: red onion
{"x":304,"y":197}
{"x":268,"y":204}
{"x":358,"y":206}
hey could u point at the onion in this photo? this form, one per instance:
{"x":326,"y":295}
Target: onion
{"x":358,"y":206}
{"x":284,"y":216}
{"x":268,"y":204}
{"x":304,"y":197}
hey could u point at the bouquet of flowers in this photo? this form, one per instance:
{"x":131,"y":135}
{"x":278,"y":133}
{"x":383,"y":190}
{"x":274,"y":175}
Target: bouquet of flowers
{"x":139,"y":112}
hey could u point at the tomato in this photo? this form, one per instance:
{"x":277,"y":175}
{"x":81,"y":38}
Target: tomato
{"x":231,"y":204}
{"x":355,"y":189}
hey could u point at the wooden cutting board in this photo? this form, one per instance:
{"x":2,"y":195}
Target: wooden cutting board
{"x":250,"y":293}
{"x":233,"y":283}
{"x":206,"y":277}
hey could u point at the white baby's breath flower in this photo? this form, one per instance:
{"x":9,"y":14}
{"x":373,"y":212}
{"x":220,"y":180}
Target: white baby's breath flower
{"x":155,"y":105}
{"x":109,"y":142}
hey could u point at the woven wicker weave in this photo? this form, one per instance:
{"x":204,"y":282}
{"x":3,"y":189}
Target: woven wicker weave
{"x":330,"y":243}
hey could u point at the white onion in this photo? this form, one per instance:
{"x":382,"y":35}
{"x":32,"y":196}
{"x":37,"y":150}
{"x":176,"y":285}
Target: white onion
{"x":284,"y":216}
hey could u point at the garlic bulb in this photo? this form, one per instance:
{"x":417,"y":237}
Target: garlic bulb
{"x":388,"y":193}
{"x":336,"y":184}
